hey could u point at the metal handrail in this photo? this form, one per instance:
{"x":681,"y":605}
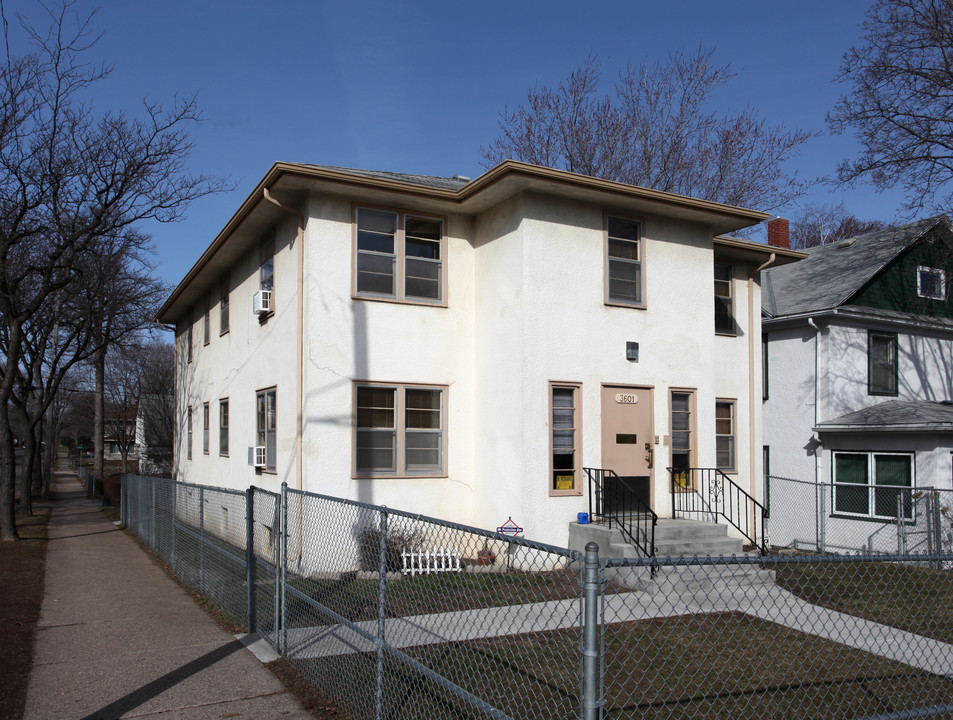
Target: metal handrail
{"x":709,"y":492}
{"x":634,"y":518}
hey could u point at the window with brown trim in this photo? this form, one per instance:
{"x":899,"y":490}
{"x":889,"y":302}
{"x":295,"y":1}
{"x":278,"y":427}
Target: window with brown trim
{"x":725,"y":422}
{"x":223,"y":322}
{"x":624,"y":266}
{"x":398,"y":256}
{"x":266,"y":423}
{"x":724,"y":300}
{"x":399,"y":430}
{"x":205,"y":428}
{"x":683,"y":438}
{"x":565,"y":439}
{"x":223,"y":426}
{"x":188,"y":435}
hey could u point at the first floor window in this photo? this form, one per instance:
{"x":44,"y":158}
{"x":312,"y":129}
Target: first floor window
{"x":205,"y":433}
{"x":267,"y":425}
{"x":223,"y":427}
{"x":188,"y":435}
{"x":881,"y":363}
{"x":682,"y":439}
{"x":565,"y":442}
{"x":725,"y":435}
{"x":875,"y":485}
{"x":399,"y":430}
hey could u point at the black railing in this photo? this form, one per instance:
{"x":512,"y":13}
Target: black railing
{"x":709,"y":494}
{"x":613,"y":501}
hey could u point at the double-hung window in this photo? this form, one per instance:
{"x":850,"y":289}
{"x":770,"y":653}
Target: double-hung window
{"x":207,"y":322}
{"x":565,"y":439}
{"x":223,"y":307}
{"x":725,"y":422}
{"x":399,"y":430}
{"x":881,"y":363}
{"x":873,"y":485}
{"x":724,"y":312}
{"x":190,"y":343}
{"x":399,"y":257}
{"x":267,"y":425}
{"x":205,"y":428}
{"x":188,"y":435}
{"x":266,"y":273}
{"x":223,"y":427}
{"x":624,"y":266}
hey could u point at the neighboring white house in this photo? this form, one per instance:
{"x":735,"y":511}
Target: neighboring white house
{"x":464,"y":348}
{"x":857,"y":413}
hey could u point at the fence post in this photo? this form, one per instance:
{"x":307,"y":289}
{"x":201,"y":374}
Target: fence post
{"x":201,"y":540}
{"x":250,"y":554}
{"x":591,"y":702}
{"x":283,"y":544}
{"x":381,"y":614}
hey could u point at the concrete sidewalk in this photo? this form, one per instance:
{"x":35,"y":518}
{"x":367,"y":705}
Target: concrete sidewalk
{"x":117,"y":638}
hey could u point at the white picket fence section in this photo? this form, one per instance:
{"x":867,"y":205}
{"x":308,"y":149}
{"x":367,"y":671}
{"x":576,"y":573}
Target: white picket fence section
{"x":434,"y":560}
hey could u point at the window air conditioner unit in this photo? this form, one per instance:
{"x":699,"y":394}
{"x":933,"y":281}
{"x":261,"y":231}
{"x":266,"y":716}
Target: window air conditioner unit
{"x":261,"y":302}
{"x":260,"y":456}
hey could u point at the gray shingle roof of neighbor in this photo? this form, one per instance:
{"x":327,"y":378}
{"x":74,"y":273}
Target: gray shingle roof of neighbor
{"x":894,"y":415}
{"x":832,"y":274}
{"x":443,"y":183}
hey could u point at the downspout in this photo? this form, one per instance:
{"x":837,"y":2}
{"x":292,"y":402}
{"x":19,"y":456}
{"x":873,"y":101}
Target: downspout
{"x":752,"y":451}
{"x":819,"y":509}
{"x":299,"y":474}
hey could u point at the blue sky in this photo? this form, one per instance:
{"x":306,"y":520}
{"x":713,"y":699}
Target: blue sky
{"x":417,"y":86}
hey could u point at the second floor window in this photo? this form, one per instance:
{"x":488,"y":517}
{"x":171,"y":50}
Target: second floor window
{"x":624,"y":261}
{"x":223,"y":308}
{"x":399,"y":257}
{"x":724,"y":312}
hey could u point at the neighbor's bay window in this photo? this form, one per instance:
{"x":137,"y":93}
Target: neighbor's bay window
{"x":399,"y":430}
{"x":399,"y":256}
{"x":873,"y":485}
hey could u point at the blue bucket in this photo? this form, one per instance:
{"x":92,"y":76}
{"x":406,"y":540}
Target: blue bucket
{"x":583,"y":518}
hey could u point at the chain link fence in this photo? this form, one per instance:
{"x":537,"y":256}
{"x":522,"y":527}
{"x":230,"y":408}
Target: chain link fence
{"x":396,"y":615}
{"x":845,"y":518}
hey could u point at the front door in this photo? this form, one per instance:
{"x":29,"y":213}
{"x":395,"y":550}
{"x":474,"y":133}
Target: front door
{"x":628,"y":439}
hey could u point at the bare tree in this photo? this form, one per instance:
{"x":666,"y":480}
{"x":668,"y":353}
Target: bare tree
{"x":900,"y":101}
{"x":821,"y":224}
{"x":656,"y":130}
{"x":69,"y":178}
{"x":157,"y":406}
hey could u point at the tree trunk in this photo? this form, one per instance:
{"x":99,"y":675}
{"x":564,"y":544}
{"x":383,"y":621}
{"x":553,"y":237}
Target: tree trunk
{"x":25,"y":507}
{"x":99,"y":418}
{"x":8,"y":521}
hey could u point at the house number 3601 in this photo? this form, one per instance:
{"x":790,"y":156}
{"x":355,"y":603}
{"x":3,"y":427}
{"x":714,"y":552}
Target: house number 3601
{"x":626,"y":399}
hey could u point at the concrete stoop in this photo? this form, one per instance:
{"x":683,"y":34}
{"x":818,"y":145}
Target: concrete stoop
{"x":674,"y":539}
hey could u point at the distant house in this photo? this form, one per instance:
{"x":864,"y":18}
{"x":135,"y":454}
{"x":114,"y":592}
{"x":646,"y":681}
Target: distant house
{"x":858,"y":356}
{"x":464,"y":349}
{"x":120,"y":432}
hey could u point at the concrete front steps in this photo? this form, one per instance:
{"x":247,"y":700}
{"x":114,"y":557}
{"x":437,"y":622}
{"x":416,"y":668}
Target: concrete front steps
{"x":674,"y":539}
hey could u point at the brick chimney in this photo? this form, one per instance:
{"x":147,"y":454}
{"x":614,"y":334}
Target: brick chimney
{"x":779,"y":233}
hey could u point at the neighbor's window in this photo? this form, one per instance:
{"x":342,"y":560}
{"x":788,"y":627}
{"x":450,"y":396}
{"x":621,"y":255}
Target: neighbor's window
{"x":624,"y":261}
{"x":223,"y":308}
{"x":681,"y":421}
{"x":881,"y":363}
{"x":223,"y":427}
{"x":931,"y":283}
{"x":205,"y":432}
{"x":725,"y":435}
{"x":724,"y":312}
{"x":873,"y":485}
{"x":399,"y":430}
{"x":267,"y":425}
{"x":188,"y":434}
{"x":399,"y":256}
{"x":191,"y":345}
{"x":764,"y":366}
{"x":565,"y":440}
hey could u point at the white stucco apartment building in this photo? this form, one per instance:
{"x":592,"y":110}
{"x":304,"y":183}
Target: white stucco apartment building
{"x":463,"y":349}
